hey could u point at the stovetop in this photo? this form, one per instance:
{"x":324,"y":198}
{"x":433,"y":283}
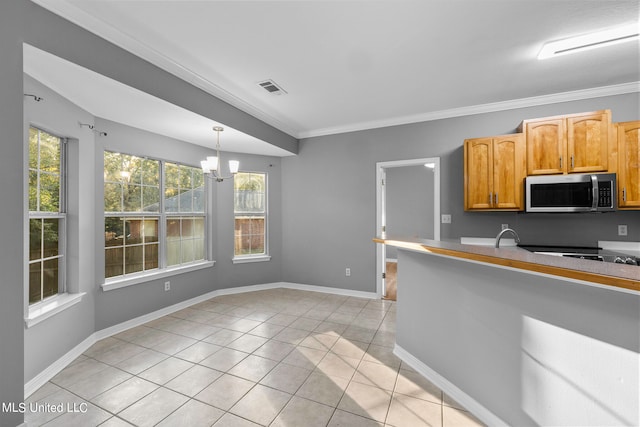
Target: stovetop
{"x":583,"y":252}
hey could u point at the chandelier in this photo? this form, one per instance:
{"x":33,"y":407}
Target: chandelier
{"x":211,"y":165}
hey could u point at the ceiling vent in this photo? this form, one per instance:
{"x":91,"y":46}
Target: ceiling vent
{"x":271,"y":87}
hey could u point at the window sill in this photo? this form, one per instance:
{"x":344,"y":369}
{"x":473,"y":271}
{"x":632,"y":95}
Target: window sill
{"x":246,"y":259}
{"x":146,"y":277}
{"x":45,"y":310}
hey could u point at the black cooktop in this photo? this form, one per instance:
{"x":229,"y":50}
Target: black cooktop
{"x":585,"y":252}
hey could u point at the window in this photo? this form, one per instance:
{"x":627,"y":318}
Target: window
{"x":47,"y":215}
{"x":140,"y":225}
{"x":250,"y":210}
{"x":185,"y":215}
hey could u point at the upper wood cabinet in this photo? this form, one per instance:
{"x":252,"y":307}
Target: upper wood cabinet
{"x":576,"y":143}
{"x":629,"y":165}
{"x":494,"y":170}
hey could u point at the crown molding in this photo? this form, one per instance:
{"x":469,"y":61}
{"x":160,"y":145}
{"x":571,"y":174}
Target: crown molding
{"x":620,"y":89}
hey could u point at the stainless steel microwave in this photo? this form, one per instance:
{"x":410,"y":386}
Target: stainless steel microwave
{"x":571,"y":193}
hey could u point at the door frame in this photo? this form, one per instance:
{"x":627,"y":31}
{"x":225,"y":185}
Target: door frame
{"x":381,"y":209}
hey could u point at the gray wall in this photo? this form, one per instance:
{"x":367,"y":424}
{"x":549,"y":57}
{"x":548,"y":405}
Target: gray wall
{"x":409,"y":203}
{"x":533,"y":350}
{"x":12,"y":208}
{"x":329,"y":193}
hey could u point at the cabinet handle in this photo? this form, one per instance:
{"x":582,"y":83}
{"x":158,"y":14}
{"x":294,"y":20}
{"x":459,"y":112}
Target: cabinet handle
{"x":496,"y":199}
{"x":490,"y":199}
{"x":560,"y":162}
{"x":572,"y":165}
{"x":624,"y":194}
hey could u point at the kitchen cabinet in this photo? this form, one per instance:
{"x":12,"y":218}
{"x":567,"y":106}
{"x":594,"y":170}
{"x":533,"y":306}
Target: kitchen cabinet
{"x":494,"y":170}
{"x":629,"y":165}
{"x":576,"y":143}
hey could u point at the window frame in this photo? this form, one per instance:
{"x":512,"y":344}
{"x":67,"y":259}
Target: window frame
{"x":60,"y":215}
{"x":248,"y":258}
{"x":162,"y":269}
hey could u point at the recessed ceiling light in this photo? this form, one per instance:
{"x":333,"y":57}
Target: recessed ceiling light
{"x":590,"y":41}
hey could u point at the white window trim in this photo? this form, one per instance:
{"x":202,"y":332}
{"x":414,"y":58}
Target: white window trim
{"x":130,"y":280}
{"x":43,"y":310}
{"x":243,"y":259}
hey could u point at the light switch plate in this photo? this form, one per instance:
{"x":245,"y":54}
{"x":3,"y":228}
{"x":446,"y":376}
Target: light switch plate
{"x":446,"y":218}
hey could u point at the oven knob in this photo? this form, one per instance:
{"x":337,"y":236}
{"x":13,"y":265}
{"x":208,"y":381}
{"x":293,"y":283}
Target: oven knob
{"x":618,"y":260}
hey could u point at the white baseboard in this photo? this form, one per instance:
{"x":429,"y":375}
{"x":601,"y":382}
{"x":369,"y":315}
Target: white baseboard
{"x":473,"y":406}
{"x":52,"y":370}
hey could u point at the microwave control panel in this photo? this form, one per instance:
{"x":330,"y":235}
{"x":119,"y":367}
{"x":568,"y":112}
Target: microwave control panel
{"x":604,"y":197}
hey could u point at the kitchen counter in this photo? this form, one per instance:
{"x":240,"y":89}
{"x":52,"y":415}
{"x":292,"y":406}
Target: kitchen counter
{"x":620,"y":277}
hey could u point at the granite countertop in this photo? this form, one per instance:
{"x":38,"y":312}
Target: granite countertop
{"x":603,"y":273}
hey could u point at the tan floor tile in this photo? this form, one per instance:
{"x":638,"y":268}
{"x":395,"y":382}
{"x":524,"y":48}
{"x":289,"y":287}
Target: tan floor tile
{"x":173,"y":344}
{"x":247,"y":343}
{"x":303,"y":412}
{"x":224,"y":359}
{"x":415,"y":385}
{"x":304,"y":357}
{"x":90,"y":415}
{"x":282,"y":319}
{"x":286,"y":378}
{"x":385,"y":338}
{"x":347,"y":419}
{"x":349,"y":348}
{"x":323,"y":389}
{"x":193,"y":380}
{"x":305,"y":324}
{"x":142,"y":361}
{"x":119,"y":353}
{"x":198,"y":352}
{"x":275,"y":350}
{"x":319,"y":341}
{"x":382,"y":355}
{"x":266,"y":330}
{"x":77,"y":372}
{"x":291,"y":335}
{"x":261,"y":315}
{"x":261,"y":405}
{"x":115,"y":422}
{"x":230,"y":420}
{"x":376,"y":375}
{"x":453,"y":417}
{"x":253,"y":368}
{"x":166,"y":370}
{"x":338,"y":366}
{"x":409,"y":411}
{"x":223,"y":337}
{"x":103,"y":345}
{"x":99,"y":382}
{"x":124,"y":394}
{"x":243,"y":325}
{"x":153,"y":408}
{"x":358,"y":333}
{"x":366,"y":401}
{"x":224,"y":392}
{"x":192,"y":414}
{"x":39,"y":417}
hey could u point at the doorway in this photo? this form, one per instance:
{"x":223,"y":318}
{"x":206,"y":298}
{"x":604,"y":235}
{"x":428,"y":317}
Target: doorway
{"x":408,"y":206}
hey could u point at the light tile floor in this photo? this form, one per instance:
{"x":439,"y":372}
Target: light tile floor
{"x":280,"y":357}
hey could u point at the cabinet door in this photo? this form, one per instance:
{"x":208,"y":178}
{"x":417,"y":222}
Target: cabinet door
{"x":629,"y":164}
{"x":588,"y":143}
{"x":508,"y":172}
{"x":545,"y":146}
{"x":478,"y":173}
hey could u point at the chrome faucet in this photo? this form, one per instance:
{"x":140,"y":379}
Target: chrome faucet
{"x":499,"y":236}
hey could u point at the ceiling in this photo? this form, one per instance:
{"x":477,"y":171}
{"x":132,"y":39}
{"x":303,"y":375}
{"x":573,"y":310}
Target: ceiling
{"x":352,"y":65}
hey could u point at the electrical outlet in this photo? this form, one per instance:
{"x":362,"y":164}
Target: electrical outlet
{"x":622,"y":230}
{"x":446,"y":218}
{"x":505,"y":226}
{"x":167,"y":286}
{"x":347,"y":272}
